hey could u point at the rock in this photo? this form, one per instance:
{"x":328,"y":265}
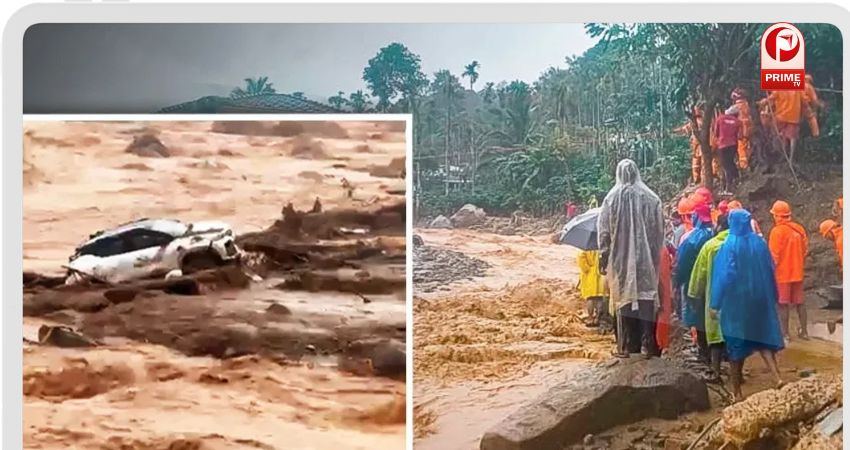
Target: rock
{"x":278,"y":310}
{"x":120,"y":295}
{"x":805,"y":373}
{"x":440,"y":222}
{"x":417,"y":240}
{"x":599,"y":399}
{"x":467,"y":216}
{"x":383,"y":357}
{"x":148,"y":146}
{"x":588,"y":439}
{"x":65,"y":337}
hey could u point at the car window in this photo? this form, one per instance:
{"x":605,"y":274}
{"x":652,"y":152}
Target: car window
{"x":103,"y":247}
{"x":141,"y":239}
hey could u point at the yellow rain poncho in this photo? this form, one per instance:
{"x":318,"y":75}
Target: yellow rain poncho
{"x":591,"y":283}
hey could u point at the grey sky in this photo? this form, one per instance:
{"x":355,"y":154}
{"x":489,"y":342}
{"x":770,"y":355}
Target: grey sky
{"x":142,"y":67}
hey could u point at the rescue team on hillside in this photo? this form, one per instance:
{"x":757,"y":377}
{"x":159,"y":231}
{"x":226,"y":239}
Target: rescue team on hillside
{"x":780,"y":113}
{"x":732,"y":288}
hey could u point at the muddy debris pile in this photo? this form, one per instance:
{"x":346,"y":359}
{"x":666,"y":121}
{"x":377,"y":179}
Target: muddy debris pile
{"x":521,"y":225}
{"x":434,"y":268}
{"x":148,"y":145}
{"x":770,"y":415}
{"x":490,"y":335}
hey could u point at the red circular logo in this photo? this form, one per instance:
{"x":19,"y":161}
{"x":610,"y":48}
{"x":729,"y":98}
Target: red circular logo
{"x":782,"y":37}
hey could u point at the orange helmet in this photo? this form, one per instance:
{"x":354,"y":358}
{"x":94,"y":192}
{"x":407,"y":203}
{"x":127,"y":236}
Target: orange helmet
{"x":685,"y":207}
{"x":781,"y":209}
{"x":735,"y":204}
{"x":826,"y":226}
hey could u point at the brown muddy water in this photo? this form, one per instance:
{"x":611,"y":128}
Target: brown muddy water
{"x":261,"y":366}
{"x":487,"y":346}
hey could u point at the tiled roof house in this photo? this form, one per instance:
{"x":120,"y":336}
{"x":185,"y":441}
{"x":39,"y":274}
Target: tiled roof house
{"x":262,"y":103}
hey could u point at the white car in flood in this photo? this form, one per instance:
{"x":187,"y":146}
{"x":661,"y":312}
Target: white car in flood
{"x":151,"y":248}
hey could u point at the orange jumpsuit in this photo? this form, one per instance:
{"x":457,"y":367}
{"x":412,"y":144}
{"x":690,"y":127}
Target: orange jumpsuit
{"x":746,"y":131}
{"x":810,"y":97}
{"x":696,"y":154}
{"x":838,"y":234}
{"x":788,"y":244}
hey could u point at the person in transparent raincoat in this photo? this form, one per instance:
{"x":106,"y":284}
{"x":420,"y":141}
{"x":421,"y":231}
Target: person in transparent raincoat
{"x":631,"y":237}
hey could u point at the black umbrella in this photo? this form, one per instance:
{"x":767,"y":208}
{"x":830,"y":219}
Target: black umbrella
{"x":580,"y":232}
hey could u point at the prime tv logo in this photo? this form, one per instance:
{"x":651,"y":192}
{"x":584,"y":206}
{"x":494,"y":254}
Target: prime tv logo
{"x":783,"y":58}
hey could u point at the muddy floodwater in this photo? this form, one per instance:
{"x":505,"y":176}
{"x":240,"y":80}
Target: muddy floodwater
{"x":488,"y":344}
{"x":258,"y":364}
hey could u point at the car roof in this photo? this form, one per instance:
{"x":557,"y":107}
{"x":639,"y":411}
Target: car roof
{"x":171,"y":227}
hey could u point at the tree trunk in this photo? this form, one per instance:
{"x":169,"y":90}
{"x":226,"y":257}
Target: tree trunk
{"x":704,"y":138}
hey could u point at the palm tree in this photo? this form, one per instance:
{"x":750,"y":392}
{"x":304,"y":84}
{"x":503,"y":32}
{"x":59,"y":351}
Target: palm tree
{"x":471,"y":71}
{"x":359,"y":101}
{"x":338,"y":100}
{"x":254,"y":86}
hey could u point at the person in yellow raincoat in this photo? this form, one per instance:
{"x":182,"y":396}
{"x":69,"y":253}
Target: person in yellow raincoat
{"x":746,"y":121}
{"x":813,"y":104}
{"x":699,"y":286}
{"x":591,"y":285}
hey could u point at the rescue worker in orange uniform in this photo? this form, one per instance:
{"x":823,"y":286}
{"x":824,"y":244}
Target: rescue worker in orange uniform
{"x":813,"y":104}
{"x":746,"y":131}
{"x":787,"y":108}
{"x":696,"y":154}
{"x":789,"y":245}
{"x":831,"y":230}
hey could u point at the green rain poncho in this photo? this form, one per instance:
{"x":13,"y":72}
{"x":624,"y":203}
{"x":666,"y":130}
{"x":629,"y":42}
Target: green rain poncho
{"x":700,"y":283}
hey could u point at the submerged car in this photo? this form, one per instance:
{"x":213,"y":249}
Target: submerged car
{"x":152,"y":248}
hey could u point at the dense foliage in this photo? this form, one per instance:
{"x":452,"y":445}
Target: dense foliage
{"x":516,"y":145}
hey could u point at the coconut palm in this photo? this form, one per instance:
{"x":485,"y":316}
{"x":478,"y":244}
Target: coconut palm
{"x":471,"y":71}
{"x":254,"y":86}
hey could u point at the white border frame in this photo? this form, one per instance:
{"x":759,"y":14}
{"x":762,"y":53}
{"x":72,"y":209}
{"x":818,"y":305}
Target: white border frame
{"x":528,"y":13}
{"x":408,"y":194}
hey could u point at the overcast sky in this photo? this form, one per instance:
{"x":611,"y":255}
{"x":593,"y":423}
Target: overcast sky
{"x":143,"y":67}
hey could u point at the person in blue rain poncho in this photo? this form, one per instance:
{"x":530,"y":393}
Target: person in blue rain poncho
{"x":693,"y":309}
{"x":744,"y":296}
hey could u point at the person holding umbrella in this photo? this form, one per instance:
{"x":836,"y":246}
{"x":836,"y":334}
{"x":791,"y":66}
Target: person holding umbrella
{"x":631,"y":237}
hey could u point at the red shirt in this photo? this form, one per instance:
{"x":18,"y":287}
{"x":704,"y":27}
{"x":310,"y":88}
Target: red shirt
{"x":726,"y":128}
{"x":571,"y":210}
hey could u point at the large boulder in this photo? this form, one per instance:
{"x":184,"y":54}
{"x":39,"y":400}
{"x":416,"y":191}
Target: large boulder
{"x":598,"y":399}
{"x":440,"y":222}
{"x":467,"y":216}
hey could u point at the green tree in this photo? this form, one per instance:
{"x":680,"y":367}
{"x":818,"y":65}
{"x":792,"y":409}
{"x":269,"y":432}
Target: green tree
{"x":489,"y":93}
{"x":359,"y":101}
{"x":338,"y":100}
{"x":254,"y":86}
{"x":395,"y":72}
{"x":471,"y":71}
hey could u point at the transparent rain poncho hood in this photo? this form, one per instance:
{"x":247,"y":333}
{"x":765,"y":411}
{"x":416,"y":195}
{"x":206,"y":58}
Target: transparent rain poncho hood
{"x":631,"y":235}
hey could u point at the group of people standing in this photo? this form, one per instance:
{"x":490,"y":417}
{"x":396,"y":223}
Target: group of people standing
{"x":732,"y":288}
{"x":730,"y":137}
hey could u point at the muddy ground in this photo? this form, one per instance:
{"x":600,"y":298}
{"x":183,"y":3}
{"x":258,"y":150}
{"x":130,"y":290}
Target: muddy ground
{"x":487,"y":345}
{"x":309,"y":355}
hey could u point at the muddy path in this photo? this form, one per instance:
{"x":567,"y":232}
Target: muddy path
{"x":302,"y":347}
{"x":486,"y":345}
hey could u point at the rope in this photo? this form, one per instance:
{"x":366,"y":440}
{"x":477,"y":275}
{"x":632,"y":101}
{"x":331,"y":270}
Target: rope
{"x":705,"y":431}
